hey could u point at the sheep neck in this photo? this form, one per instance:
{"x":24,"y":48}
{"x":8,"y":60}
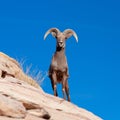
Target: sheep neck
{"x":60,"y":50}
{"x":60,"y":57}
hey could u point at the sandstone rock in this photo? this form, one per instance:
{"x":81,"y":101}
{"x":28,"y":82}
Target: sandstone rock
{"x":42,"y":113}
{"x":10,"y":67}
{"x":8,"y":118}
{"x":10,"y":107}
{"x":34,"y":102}
{"x":32,"y":117}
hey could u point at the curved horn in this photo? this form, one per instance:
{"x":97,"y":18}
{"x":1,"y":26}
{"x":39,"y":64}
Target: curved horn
{"x":54,"y":32}
{"x":69,"y":32}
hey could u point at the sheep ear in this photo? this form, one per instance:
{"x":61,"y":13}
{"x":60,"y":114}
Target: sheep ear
{"x":69,"y":32}
{"x":53,"y":31}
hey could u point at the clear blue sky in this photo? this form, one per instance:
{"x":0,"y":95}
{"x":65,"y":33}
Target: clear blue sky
{"x":94,"y":63}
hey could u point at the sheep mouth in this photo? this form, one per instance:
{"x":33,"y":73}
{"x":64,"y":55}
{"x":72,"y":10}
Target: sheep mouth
{"x":61,"y":45}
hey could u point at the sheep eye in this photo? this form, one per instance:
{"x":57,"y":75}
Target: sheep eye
{"x":56,"y":37}
{"x":65,"y":38}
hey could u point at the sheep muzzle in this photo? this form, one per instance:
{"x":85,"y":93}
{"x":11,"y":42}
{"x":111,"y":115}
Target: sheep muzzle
{"x":60,"y":44}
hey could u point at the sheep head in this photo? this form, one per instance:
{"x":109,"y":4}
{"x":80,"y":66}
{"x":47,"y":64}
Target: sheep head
{"x":61,"y":37}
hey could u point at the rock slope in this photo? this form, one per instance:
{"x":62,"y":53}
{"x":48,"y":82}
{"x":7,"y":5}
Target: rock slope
{"x":21,"y":98}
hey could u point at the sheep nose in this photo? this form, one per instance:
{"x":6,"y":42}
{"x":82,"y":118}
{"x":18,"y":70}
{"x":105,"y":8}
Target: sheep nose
{"x":60,"y":42}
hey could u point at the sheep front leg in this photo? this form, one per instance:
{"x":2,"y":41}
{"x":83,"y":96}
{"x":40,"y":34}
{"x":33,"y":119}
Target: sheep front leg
{"x":54,"y":83}
{"x":67,"y":90}
{"x":64,"y":86}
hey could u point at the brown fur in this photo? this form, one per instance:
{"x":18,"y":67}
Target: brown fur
{"x":58,"y":71}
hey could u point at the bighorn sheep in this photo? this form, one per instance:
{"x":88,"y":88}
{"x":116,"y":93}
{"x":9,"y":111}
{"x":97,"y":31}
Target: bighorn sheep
{"x":58,"y":70}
